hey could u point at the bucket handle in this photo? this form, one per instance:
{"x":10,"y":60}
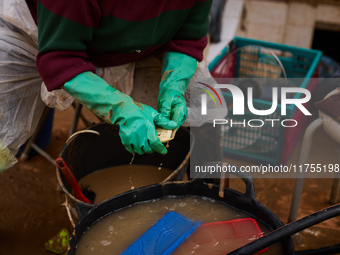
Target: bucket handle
{"x":69,"y":214}
{"x":246,"y":177}
{"x":249,"y":182}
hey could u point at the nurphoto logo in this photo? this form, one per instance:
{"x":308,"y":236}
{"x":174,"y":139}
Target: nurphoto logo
{"x":239,"y":104}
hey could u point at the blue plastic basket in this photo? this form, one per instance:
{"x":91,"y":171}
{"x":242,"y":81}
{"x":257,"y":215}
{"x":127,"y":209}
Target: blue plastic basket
{"x":266,"y":144}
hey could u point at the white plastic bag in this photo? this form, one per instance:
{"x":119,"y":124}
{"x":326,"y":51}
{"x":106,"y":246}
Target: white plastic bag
{"x":193,"y":99}
{"x":16,"y":12}
{"x":20,"y":104}
{"x":119,"y":77}
{"x":58,"y":99}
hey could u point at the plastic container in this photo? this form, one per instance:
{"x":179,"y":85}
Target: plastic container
{"x":44,"y":137}
{"x":266,"y":144}
{"x":165,"y":236}
{"x":223,"y":237}
{"x":246,"y":203}
{"x":175,"y":234}
{"x":88,"y":152}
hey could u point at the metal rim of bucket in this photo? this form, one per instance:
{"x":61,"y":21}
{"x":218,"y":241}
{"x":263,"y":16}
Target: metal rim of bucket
{"x":186,"y":158}
{"x":70,"y":195}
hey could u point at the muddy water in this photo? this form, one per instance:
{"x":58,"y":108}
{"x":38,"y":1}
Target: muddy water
{"x":112,"y":181}
{"x":115,"y":232}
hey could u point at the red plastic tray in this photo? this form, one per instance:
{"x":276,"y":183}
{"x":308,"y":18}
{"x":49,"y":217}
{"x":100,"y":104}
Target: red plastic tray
{"x":219,"y":238}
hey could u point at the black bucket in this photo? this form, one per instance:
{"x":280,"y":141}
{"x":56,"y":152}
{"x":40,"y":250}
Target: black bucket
{"x":88,"y":152}
{"x":246,"y":203}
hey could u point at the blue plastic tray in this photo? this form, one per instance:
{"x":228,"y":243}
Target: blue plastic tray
{"x":164,"y":237}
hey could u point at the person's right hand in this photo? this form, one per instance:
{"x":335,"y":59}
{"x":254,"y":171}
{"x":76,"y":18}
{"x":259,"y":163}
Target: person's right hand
{"x":136,"y":121}
{"x":137,"y":128}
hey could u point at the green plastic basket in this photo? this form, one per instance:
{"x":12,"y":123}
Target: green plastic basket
{"x":243,"y":58}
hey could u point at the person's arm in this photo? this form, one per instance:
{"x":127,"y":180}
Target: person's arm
{"x":191,"y":38}
{"x":180,"y":61}
{"x":65,"y":28}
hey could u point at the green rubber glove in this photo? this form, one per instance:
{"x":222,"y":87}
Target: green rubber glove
{"x":136,"y":121}
{"x":177,"y":70}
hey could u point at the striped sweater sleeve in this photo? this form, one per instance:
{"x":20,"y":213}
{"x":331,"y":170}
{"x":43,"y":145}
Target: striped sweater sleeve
{"x":63,"y":37}
{"x":191,"y":39}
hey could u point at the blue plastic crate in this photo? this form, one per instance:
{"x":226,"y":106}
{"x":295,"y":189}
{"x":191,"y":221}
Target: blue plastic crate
{"x":266,"y":144}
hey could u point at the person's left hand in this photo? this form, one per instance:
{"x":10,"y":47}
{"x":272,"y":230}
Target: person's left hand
{"x":172,"y":106}
{"x":177,"y":71}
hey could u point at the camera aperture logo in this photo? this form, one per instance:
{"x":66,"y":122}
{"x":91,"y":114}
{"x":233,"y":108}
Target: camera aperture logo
{"x":239,"y":103}
{"x":204,"y":97}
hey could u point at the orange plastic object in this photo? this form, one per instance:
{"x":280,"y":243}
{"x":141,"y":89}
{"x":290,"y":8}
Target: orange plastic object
{"x":220,"y":238}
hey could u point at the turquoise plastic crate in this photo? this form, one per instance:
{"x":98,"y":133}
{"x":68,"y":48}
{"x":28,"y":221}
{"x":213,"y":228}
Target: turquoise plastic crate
{"x":266,"y":144}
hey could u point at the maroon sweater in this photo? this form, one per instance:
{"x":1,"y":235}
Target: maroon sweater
{"x":75,"y":36}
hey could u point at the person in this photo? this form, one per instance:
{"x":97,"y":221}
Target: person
{"x":79,"y":38}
